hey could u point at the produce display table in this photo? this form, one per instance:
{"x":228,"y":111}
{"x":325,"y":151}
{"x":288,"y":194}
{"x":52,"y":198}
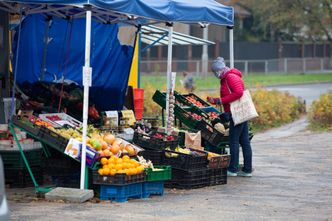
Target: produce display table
{"x":46,"y":137}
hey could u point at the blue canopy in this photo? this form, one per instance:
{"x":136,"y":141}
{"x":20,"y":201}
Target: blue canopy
{"x":110,"y":60}
{"x":132,"y":11}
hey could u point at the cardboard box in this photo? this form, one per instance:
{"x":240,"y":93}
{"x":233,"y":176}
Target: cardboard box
{"x":74,"y":150}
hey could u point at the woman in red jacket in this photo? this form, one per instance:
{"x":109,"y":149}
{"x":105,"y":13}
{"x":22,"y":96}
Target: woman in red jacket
{"x":231,"y":89}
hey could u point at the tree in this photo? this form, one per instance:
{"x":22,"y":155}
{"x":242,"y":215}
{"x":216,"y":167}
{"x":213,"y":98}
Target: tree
{"x":291,"y":19}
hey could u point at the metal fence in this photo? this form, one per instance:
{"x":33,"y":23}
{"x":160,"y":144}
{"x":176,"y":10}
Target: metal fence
{"x":283,"y":65}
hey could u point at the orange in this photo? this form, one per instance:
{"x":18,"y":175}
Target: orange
{"x":103,"y":161}
{"x":125,"y":158}
{"x":104,"y":145}
{"x":111,"y":166}
{"x":140,"y":169}
{"x":120,"y":171}
{"x":131,"y":151}
{"x":130,"y":172}
{"x":124,"y":166}
{"x":112,"y":172}
{"x":109,"y":138}
{"x":126,"y":171}
{"x":117,"y":141}
{"x":131,"y":165}
{"x":115,"y":148}
{"x":118,"y":166}
{"x":107,"y":152}
{"x":105,"y":166}
{"x":106,"y":171}
{"x":118,"y":160}
{"x":111,"y":159}
{"x":133,"y":171}
{"x":101,"y":171}
{"x":135,"y":163}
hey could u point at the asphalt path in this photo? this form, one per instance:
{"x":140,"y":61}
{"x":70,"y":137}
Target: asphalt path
{"x":308,"y":92}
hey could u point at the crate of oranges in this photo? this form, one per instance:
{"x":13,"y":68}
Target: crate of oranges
{"x":119,"y":171}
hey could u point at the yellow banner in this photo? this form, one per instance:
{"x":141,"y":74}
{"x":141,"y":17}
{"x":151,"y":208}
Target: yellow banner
{"x":133,"y":76}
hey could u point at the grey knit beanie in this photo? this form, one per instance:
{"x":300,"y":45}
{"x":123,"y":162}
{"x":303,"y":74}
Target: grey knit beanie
{"x":218,"y":65}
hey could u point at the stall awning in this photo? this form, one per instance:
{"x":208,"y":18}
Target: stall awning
{"x":129,"y":11}
{"x":159,"y":36}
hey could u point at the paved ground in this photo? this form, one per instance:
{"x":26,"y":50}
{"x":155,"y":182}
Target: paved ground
{"x":292,"y":181}
{"x":309,"y":92}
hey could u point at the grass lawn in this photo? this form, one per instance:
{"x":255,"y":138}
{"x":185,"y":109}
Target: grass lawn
{"x":202,"y":83}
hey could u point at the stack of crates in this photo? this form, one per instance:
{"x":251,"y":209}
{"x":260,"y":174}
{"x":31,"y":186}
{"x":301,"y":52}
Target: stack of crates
{"x":183,"y":111}
{"x":155,"y":180}
{"x":188,"y":170}
{"x":120,"y":187}
{"x":16,"y":173}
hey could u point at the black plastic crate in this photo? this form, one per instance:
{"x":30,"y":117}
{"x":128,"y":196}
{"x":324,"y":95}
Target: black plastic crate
{"x":12,"y":159}
{"x":26,"y":125}
{"x":189,"y":179}
{"x":21,"y":177}
{"x":221,"y":161}
{"x":185,"y":161}
{"x":188,"y":184}
{"x":52,"y":139}
{"x":218,"y":176}
{"x":118,"y":179}
{"x":178,"y":174}
{"x":149,"y":142}
{"x":62,"y":176}
{"x":61,"y":166}
{"x":211,"y":135}
{"x":154,"y":155}
{"x":71,"y":180}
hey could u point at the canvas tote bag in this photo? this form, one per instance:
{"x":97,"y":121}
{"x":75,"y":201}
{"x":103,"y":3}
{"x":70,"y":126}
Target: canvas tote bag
{"x":242,"y":109}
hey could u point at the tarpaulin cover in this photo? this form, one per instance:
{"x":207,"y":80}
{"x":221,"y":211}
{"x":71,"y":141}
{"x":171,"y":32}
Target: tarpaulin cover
{"x":185,"y":11}
{"x":110,"y":61}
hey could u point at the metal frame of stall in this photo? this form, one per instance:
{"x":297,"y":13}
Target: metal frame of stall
{"x":107,"y":17}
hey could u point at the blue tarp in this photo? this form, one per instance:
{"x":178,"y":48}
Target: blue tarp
{"x":110,"y":61}
{"x":185,"y":11}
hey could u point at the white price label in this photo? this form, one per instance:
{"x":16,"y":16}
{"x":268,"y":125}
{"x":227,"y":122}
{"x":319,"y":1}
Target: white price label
{"x":87,"y":76}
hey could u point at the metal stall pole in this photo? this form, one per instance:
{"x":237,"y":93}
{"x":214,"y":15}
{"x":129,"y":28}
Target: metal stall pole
{"x":87,"y":78}
{"x":205,"y":51}
{"x":231,"y":46}
{"x":169,"y":71}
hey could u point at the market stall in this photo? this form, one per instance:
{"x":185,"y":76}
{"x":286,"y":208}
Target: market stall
{"x":137,"y":13}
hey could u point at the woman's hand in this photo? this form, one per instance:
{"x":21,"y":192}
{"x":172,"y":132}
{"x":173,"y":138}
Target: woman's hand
{"x":213,"y":100}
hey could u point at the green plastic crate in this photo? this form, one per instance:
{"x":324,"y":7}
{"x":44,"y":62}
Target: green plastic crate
{"x":198,"y":111}
{"x":182,"y":100}
{"x":164,"y":174}
{"x":184,"y":117}
{"x":159,"y":98}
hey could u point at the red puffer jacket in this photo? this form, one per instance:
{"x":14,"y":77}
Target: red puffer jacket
{"x":236,"y":85}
